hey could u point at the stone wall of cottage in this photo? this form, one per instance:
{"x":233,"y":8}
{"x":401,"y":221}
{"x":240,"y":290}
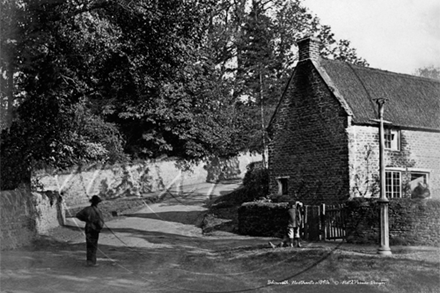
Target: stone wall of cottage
{"x":419,"y":152}
{"x":310,"y":144}
{"x":423,"y":150}
{"x":364,"y":160}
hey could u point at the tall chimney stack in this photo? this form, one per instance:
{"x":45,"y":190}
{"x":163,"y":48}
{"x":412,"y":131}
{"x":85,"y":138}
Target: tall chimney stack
{"x":308,"y":48}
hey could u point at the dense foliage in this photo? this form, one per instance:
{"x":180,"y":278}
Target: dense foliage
{"x":256,"y":182}
{"x":429,"y":72}
{"x":110,"y":80}
{"x":256,"y":45}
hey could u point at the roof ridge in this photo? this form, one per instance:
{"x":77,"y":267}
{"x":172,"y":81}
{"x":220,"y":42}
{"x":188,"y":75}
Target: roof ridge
{"x":383,"y":71}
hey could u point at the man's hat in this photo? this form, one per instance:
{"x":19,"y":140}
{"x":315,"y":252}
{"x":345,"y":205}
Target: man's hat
{"x":95,"y":199}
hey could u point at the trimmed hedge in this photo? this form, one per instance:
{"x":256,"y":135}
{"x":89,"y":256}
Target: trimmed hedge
{"x":411,"y":221}
{"x":263,"y":219}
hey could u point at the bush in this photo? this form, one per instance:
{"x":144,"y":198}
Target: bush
{"x":263,"y":219}
{"x":411,"y":221}
{"x":256,"y":182}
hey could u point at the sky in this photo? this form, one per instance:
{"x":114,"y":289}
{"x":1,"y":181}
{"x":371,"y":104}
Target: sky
{"x":393,"y":35}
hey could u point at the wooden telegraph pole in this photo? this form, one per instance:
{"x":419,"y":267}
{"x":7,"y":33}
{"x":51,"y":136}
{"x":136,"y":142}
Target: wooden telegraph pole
{"x":384,"y":248}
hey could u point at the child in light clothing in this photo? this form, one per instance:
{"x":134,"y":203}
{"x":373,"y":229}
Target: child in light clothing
{"x":293,"y":238}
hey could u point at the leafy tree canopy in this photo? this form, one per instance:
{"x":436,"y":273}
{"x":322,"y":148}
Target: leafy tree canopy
{"x":430,"y":72}
{"x":255,"y":41}
{"x":109,"y":80}
{"x":101,"y":79}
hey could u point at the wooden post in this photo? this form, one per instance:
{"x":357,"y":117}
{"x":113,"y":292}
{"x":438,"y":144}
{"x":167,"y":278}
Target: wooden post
{"x":384,"y":248}
{"x":305,"y":224}
{"x":323,"y":230}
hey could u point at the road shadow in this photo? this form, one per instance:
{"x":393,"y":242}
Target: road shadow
{"x":230,"y":181}
{"x":185,"y":198}
{"x":165,"y":241}
{"x":199,"y":195}
{"x":187,"y":262}
{"x":187,"y":218}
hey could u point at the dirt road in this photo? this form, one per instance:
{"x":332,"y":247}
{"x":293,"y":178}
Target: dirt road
{"x":160,"y":248}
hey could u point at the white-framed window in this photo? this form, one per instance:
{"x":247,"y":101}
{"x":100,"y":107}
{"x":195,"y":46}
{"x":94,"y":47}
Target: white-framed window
{"x":393,"y":184}
{"x":283,"y":185}
{"x":400,"y":182}
{"x":392,"y":139}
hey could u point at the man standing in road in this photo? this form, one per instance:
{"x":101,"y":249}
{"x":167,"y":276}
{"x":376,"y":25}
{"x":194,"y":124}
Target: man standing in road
{"x":94,"y":223}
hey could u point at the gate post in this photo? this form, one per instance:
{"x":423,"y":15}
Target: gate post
{"x":305,"y":224}
{"x":323,"y":230}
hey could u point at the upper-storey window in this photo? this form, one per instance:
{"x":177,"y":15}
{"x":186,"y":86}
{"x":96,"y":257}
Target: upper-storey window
{"x":392,"y":139}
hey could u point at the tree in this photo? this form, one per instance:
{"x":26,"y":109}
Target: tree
{"x":9,"y":32}
{"x":430,"y":72}
{"x":109,"y":79}
{"x":129,"y":71}
{"x":257,"y":52}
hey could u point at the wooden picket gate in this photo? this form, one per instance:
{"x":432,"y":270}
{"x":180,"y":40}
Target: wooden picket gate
{"x":324,"y":222}
{"x":333,"y":221}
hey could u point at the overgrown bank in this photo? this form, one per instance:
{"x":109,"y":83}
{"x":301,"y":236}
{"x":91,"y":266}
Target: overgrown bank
{"x":223,"y":211}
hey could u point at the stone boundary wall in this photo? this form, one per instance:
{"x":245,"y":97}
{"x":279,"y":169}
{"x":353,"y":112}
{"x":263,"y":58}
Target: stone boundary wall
{"x":25,"y":214}
{"x":138,"y":179}
{"x":412,"y":221}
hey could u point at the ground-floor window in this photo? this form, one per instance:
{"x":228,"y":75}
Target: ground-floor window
{"x":393,"y":184}
{"x":403,"y":183}
{"x":418,"y":184}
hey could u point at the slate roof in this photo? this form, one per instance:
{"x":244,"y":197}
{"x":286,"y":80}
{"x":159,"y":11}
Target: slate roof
{"x":411,"y":101}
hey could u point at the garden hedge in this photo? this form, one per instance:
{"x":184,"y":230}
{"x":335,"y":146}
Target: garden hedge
{"x":263,"y":219}
{"x":411,"y":221}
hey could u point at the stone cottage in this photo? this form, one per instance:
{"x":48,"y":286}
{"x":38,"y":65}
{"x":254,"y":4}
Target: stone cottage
{"x":325,"y":135}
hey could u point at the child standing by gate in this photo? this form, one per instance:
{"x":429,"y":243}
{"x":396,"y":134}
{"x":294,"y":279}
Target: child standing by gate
{"x":292,"y":238}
